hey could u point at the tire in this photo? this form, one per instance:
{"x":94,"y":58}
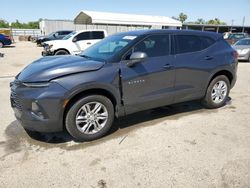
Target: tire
{"x":61,"y":52}
{"x":1,"y":44}
{"x":216,"y":99}
{"x":86,"y":129}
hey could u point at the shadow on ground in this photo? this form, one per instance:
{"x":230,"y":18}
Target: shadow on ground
{"x":12,"y":46}
{"x":124,"y":125}
{"x":17,"y":139}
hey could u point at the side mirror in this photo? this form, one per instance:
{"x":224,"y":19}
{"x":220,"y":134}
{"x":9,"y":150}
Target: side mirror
{"x":136,"y":57}
{"x":74,"y":39}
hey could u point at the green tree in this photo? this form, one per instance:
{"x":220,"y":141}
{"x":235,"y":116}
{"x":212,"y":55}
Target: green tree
{"x":200,"y":21}
{"x":4,"y":24}
{"x":29,"y":25}
{"x":216,"y":21}
{"x":182,"y":17}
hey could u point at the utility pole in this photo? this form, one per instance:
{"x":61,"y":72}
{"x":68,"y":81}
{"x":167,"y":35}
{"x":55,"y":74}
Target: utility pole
{"x":232,"y":26}
{"x":243,"y":25}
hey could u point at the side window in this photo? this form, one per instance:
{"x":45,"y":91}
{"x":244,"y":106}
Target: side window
{"x":65,"y":33}
{"x":207,"y":41}
{"x":60,"y":33}
{"x":83,"y":36}
{"x":153,"y":46}
{"x":188,"y":43}
{"x":97,"y":35}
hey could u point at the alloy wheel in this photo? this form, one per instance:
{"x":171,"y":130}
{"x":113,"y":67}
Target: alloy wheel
{"x":91,"y":117}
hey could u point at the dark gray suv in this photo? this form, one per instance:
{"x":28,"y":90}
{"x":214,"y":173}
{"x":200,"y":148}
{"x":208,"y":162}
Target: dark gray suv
{"x":122,"y":74}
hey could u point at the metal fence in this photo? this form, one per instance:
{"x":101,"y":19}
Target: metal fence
{"x":21,"y":32}
{"x":26,"y":32}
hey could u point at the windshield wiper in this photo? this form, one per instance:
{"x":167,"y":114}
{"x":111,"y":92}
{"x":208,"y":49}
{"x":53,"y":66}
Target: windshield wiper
{"x":85,"y":56}
{"x":93,"y":58}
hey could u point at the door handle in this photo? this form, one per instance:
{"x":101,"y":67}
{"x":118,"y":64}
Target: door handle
{"x":208,"y":58}
{"x":88,"y":43}
{"x":168,"y":66}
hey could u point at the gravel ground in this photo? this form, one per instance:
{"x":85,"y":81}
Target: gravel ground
{"x":182,"y":145}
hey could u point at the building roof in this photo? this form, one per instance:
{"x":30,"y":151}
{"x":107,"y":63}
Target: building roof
{"x":93,"y":17}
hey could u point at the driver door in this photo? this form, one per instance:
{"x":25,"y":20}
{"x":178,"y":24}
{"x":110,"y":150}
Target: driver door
{"x":150,"y":83}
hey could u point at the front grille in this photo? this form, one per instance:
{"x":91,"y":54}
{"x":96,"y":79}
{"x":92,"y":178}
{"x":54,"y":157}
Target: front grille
{"x":15,"y":101}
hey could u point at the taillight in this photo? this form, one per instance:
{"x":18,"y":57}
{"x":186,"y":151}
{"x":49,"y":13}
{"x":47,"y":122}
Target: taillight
{"x":235,"y":54}
{"x":8,"y":37}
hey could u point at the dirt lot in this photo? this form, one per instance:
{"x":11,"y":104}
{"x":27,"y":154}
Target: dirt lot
{"x":179,"y":146}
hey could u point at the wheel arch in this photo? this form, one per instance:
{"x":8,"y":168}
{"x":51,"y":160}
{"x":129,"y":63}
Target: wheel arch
{"x":226,"y":73}
{"x":62,"y":49}
{"x":93,"y":91}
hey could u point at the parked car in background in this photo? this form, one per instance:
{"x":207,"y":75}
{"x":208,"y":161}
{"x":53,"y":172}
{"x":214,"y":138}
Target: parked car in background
{"x":226,"y":35}
{"x":243,"y":49}
{"x":120,"y":75}
{"x":74,"y":43}
{"x":52,"y":36}
{"x":5,"y":40}
{"x":234,"y":37}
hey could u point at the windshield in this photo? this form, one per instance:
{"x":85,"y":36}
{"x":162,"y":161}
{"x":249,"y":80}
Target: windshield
{"x":243,"y":42}
{"x":236,"y":36}
{"x":69,"y":35}
{"x":108,"y":47}
{"x":51,"y":34}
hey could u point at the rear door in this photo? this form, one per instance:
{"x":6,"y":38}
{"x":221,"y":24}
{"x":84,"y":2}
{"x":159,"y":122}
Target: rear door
{"x":87,"y":39}
{"x":150,"y":83}
{"x":194,"y":59}
{"x":83,"y":40}
{"x":95,"y":37}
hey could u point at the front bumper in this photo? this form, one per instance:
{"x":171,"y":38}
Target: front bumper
{"x":47,"y":53}
{"x":49,"y":117}
{"x":244,"y":57}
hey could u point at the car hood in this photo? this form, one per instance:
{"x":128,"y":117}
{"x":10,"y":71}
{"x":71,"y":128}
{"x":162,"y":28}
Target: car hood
{"x":51,"y":67}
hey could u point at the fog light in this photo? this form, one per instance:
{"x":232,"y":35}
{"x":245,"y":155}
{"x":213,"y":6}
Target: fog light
{"x":34,"y":107}
{"x":36,"y":110}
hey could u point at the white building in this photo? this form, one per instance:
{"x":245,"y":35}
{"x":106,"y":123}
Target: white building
{"x":112,"y":22}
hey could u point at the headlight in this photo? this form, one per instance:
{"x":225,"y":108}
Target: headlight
{"x":50,"y":46}
{"x":36,"y":84}
{"x":244,"y":51}
{"x":47,"y":47}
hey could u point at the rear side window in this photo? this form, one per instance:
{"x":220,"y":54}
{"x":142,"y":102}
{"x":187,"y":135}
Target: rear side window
{"x":207,"y":41}
{"x":97,"y":35}
{"x":188,"y":43}
{"x":191,"y":43}
{"x":84,"y":36}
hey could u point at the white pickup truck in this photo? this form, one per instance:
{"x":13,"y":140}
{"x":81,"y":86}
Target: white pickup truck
{"x":74,"y":43}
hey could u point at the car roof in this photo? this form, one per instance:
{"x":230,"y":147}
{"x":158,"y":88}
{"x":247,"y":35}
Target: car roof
{"x":64,"y":30}
{"x":170,"y":31}
{"x":84,"y":30}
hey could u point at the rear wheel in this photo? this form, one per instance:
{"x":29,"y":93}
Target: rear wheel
{"x":217,"y":92}
{"x":1,"y":44}
{"x":61,"y":52}
{"x":90,"y":118}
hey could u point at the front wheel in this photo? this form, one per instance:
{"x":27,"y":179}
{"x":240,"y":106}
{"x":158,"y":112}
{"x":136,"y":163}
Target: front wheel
{"x":90,"y":118}
{"x":217,"y":92}
{"x":61,"y":52}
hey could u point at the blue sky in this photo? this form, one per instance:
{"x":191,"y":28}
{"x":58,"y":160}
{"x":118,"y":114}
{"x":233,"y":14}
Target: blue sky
{"x":32,"y":10}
